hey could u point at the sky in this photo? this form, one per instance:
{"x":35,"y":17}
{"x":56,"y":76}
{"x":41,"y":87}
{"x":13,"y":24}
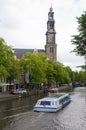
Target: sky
{"x":23,"y":24}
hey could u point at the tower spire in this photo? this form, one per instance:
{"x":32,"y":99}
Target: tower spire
{"x":51,"y":47}
{"x":51,"y":9}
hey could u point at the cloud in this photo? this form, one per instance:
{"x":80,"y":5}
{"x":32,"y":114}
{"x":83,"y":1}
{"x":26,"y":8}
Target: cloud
{"x":9,"y":15}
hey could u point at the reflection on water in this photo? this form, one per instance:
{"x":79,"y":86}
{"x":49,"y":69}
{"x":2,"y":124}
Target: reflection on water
{"x":12,"y":108}
{"x":18,"y":105}
{"x":20,"y":116}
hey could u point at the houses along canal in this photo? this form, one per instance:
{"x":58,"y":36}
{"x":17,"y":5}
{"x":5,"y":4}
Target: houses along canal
{"x":18,"y":114}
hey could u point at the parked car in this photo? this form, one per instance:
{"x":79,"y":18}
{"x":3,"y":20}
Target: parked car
{"x":21,"y":91}
{"x":18,"y":91}
{"x":14,"y":92}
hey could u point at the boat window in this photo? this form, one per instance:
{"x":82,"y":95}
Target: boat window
{"x":61,"y":100}
{"x":64,"y":99}
{"x":45,"y":103}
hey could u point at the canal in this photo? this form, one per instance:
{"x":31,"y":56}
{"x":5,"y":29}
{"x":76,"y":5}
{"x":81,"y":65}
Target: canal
{"x":19,"y":115}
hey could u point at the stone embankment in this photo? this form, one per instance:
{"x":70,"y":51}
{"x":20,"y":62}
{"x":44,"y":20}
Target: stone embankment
{"x":7,"y":96}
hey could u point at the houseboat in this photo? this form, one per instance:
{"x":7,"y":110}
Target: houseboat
{"x":53,"y":102}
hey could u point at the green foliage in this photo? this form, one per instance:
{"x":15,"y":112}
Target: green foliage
{"x":61,"y":74}
{"x":15,"y":71}
{"x":50,"y":72}
{"x":80,"y":40}
{"x":8,"y":64}
{"x":79,"y":76}
{"x":70,"y":72}
{"x":35,"y":64}
{"x":82,"y":76}
{"x":3,"y":71}
{"x":6,"y":57}
{"x":42,"y":70}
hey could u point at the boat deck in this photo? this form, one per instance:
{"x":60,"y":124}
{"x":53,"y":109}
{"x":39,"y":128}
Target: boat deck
{"x":56,"y":95}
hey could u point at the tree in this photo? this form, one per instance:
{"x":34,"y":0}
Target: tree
{"x":15,"y":71}
{"x":80,"y":40}
{"x":50,"y":73}
{"x":82,"y":76}
{"x":61,"y":74}
{"x":70,"y":72}
{"x":6,"y":59}
{"x":9,"y":68}
{"x":35,"y":64}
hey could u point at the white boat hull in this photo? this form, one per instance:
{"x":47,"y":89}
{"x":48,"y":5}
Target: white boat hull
{"x":46,"y":109}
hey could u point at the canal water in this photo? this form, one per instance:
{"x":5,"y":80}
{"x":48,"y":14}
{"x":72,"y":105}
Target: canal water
{"x":19,"y":114}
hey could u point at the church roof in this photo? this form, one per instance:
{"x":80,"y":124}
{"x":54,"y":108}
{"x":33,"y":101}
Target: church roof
{"x":20,"y":52}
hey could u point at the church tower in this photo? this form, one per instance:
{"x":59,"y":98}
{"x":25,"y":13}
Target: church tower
{"x":51,"y":47}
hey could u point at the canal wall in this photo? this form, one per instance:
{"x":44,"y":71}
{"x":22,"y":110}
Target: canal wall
{"x":7,"y":96}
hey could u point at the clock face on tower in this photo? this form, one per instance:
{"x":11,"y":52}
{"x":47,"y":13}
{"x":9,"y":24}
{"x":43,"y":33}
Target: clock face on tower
{"x":50,"y":38}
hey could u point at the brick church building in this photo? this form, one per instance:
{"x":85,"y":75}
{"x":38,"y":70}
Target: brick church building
{"x":50,"y":46}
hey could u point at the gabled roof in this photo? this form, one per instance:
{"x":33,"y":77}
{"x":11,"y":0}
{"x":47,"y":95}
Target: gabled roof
{"x":20,"y":52}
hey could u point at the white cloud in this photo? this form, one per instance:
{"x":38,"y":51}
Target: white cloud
{"x":23,"y":24}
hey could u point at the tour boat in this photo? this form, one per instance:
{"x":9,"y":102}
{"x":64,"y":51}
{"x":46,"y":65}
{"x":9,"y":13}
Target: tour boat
{"x":53,"y":102}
